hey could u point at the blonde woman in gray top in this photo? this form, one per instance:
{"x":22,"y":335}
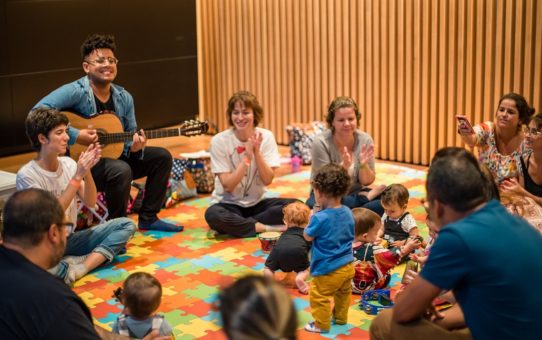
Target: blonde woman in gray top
{"x":344,"y":144}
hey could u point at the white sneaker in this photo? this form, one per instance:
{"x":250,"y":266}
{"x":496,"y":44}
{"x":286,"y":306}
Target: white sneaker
{"x":54,"y":270}
{"x":311,"y":327}
{"x":69,"y":277}
{"x":74,"y":259}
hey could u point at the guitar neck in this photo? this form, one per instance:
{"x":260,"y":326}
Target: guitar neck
{"x":119,"y":137}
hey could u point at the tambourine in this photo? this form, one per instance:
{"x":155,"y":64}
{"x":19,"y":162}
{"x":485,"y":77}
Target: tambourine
{"x":370,"y":297}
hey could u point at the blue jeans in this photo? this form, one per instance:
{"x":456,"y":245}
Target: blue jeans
{"x":107,"y":239}
{"x":354,"y":201}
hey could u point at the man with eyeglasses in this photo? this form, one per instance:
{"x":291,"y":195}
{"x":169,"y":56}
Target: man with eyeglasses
{"x":33,"y":303}
{"x":67,"y":180}
{"x":96,"y":93}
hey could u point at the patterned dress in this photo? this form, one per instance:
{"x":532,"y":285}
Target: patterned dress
{"x":501,"y":166}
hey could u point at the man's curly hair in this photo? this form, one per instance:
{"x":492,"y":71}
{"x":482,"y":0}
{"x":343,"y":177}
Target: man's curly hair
{"x":97,"y":41}
{"x":331,"y":180}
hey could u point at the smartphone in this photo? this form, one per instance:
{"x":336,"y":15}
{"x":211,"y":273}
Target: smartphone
{"x":465,"y":126}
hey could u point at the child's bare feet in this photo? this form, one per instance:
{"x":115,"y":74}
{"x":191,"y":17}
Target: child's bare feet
{"x":302,"y":286}
{"x":374,"y":192}
{"x":301,"y":283}
{"x":260,"y":227}
{"x":268,"y":273}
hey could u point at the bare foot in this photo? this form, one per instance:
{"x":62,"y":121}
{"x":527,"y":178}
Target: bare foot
{"x":302,"y":285}
{"x":268,"y":273}
{"x":301,"y":281}
{"x":278,"y":227}
{"x":260,"y":227}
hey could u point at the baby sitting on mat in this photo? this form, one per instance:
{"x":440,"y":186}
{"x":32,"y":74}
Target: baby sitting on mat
{"x":141,"y":296}
{"x":398,"y":223}
{"x":291,"y":252}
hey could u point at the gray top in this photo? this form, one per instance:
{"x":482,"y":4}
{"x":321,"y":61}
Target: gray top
{"x":324,"y":152}
{"x":126,"y":325}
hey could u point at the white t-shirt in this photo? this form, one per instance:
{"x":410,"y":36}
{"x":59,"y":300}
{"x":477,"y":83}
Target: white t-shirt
{"x":31,"y":175}
{"x":226,"y":153}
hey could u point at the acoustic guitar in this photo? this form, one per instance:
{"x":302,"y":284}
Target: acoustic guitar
{"x":112,"y":137}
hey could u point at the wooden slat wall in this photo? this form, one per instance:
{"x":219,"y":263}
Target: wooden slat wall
{"x":410,"y":64}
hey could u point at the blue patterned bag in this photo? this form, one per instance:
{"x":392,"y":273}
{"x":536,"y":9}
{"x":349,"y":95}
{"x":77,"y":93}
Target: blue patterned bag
{"x":300,"y":138}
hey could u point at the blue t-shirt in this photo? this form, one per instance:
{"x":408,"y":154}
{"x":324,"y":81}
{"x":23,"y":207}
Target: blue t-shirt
{"x":333,"y":232}
{"x":491,"y":259}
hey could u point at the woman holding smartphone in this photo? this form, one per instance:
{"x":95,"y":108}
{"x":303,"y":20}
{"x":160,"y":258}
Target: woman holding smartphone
{"x":500,"y":142}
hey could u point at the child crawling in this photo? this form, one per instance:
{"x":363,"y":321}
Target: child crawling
{"x":291,"y":253}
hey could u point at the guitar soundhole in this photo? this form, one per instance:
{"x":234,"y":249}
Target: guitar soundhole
{"x":102,"y":134}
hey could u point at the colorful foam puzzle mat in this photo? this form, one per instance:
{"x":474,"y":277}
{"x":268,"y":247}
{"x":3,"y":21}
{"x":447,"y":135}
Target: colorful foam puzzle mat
{"x":194,"y":265}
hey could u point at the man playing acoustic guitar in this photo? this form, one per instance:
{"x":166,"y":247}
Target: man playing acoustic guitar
{"x":95,"y":93}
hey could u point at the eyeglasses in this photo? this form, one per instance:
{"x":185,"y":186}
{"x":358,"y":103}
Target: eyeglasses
{"x":532,"y":132}
{"x":70,"y":226}
{"x":102,"y":60}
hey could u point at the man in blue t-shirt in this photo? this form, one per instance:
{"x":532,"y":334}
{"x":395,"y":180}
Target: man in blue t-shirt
{"x":487,"y":257}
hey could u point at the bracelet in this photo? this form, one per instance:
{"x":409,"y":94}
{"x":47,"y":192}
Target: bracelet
{"x":362,"y":166}
{"x":76,"y":183}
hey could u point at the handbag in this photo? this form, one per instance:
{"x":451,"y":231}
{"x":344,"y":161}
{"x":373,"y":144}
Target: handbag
{"x":181,"y":185}
{"x":300,"y":137}
{"x":199,"y":166}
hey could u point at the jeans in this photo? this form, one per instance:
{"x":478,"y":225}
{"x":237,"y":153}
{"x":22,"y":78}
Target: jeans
{"x":354,"y":201}
{"x":107,"y":239}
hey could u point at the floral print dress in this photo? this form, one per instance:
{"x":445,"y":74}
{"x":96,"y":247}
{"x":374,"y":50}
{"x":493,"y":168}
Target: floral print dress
{"x":501,"y":166}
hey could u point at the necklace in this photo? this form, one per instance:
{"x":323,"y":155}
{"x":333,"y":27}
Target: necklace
{"x":236,"y":157}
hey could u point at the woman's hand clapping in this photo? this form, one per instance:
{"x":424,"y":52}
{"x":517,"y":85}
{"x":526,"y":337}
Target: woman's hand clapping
{"x":346,"y":158}
{"x":253,"y":145}
{"x":367,"y":152}
{"x":88,"y":159}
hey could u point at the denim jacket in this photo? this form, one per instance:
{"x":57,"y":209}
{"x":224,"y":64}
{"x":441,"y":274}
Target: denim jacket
{"x":78,"y":97}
